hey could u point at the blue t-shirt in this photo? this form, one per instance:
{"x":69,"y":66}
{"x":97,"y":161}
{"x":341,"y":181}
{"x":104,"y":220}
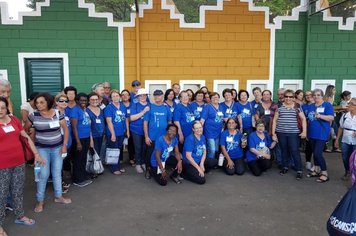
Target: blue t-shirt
{"x":166,"y":150}
{"x":118,"y":119}
{"x":136,"y":126}
{"x":171,"y":107}
{"x":255,"y":142}
{"x":306,"y":109}
{"x":254,"y":104}
{"x":196,"y":109}
{"x":229,"y":111}
{"x":195,"y":146}
{"x":157,"y":118}
{"x":97,"y":123}
{"x":69,"y":125}
{"x":83,"y":125}
{"x":317,"y":128}
{"x":185,"y":116}
{"x":213,"y":121}
{"x":246,"y":111}
{"x":232,"y":144}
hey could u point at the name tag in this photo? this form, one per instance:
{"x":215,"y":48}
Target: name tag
{"x":267,"y":112}
{"x":192,"y":118}
{"x":119,"y":112}
{"x":246,"y":111}
{"x":98,"y":121}
{"x":128,"y":111}
{"x":54,"y":124}
{"x":172,"y":109}
{"x":229,"y":139}
{"x":256,"y":105}
{"x":320,"y":109}
{"x":8,"y":128}
{"x":176,"y":101}
{"x":203,"y":146}
{"x":159,"y":170}
{"x":66,"y":118}
{"x":102,"y":106}
{"x":86,"y":114}
{"x":220,"y":113}
{"x":262,"y":144}
{"x":228,"y":111}
{"x":199,"y":109}
{"x":169,"y":149}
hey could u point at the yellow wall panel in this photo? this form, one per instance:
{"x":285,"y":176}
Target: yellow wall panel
{"x":233,"y":45}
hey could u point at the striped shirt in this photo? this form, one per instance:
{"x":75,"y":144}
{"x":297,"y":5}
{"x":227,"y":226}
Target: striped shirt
{"x":48,"y":130}
{"x":287,"y":120}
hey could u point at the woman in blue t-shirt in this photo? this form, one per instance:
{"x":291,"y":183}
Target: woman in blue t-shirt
{"x":96,"y":116}
{"x":81,"y":140}
{"x":245,"y":112}
{"x":319,"y":117}
{"x":183,"y":117}
{"x":198,"y":104}
{"x":229,"y":107}
{"x":258,"y":156}
{"x":162,"y":156}
{"x":194,"y":155}
{"x":212,"y":120}
{"x":117,"y":127}
{"x":231,"y":148}
{"x":169,"y":99}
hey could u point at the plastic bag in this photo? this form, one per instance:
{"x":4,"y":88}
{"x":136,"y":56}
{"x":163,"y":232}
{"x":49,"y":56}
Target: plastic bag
{"x":94,"y":165}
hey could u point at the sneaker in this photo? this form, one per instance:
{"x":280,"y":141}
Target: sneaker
{"x":283,"y":171}
{"x":299,"y":176}
{"x":8,"y":207}
{"x":308,"y":166}
{"x":180,"y":178}
{"x":83,"y":184}
{"x":143,"y":166}
{"x":139,"y":169}
{"x":147,"y":174}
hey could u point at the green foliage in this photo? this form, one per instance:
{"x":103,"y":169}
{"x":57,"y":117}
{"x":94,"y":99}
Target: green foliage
{"x":278,"y":7}
{"x":346,"y":9}
{"x":190,"y":8}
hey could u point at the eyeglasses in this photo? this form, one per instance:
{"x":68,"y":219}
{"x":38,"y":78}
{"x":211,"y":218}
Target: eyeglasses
{"x":317,"y":95}
{"x":135,"y":85}
{"x":107,"y":87}
{"x":62,"y":101}
{"x":288,"y":96}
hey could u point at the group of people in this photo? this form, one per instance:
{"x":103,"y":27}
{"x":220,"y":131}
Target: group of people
{"x":177,"y":135}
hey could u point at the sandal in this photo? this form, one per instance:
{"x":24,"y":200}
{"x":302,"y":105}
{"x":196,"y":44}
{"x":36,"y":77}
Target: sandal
{"x":132,"y":163}
{"x":38,"y":207}
{"x":175,"y":179}
{"x":122,"y":170}
{"x":63,"y":200}
{"x":117,"y":173}
{"x":313,"y":174}
{"x":322,"y":179}
{"x":3,"y":233}
{"x":25,"y":221}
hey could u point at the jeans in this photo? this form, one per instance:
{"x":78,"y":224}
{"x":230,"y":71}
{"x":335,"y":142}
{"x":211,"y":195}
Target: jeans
{"x":318,"y":148}
{"x":117,"y":144}
{"x":278,"y":154}
{"x":212,"y":146}
{"x":347,"y":150}
{"x":54,"y":162}
{"x":289,"y":143}
{"x":139,"y":144}
{"x":98,"y":141}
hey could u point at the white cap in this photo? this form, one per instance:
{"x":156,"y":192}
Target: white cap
{"x":142,"y":91}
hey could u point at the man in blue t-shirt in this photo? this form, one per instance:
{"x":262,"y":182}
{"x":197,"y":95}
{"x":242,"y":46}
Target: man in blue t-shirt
{"x":154,"y":125}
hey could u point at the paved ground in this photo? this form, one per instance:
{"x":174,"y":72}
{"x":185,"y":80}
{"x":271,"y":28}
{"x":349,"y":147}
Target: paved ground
{"x":225,"y":205}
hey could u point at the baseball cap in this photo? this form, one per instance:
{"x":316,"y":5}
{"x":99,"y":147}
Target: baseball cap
{"x":157,"y":92}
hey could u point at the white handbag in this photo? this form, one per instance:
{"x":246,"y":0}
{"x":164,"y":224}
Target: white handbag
{"x":112,"y":156}
{"x":94,"y":165}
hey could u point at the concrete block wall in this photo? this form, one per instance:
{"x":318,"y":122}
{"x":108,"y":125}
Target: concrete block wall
{"x":234,"y":45}
{"x":92,"y":47}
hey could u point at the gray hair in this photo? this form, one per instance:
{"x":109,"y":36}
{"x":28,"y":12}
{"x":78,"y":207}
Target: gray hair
{"x":281,"y":90}
{"x":5,"y":83}
{"x":318,"y":90}
{"x":96,"y":86}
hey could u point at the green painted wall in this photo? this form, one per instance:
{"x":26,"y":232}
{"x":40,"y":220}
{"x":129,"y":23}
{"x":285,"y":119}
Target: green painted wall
{"x":329,"y":54}
{"x":92,"y":47}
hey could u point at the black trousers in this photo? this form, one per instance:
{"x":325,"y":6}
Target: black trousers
{"x":258,"y":166}
{"x":308,"y":151}
{"x":148,"y":153}
{"x":171,"y":162}
{"x":238,"y":169}
{"x":80,"y":160}
{"x":192,"y":174}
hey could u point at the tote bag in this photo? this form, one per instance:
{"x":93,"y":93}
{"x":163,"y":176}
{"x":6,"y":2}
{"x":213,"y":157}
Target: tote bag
{"x":112,"y":156}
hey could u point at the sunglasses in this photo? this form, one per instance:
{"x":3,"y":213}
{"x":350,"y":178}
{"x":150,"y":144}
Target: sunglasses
{"x":288,"y":96}
{"x":135,"y":85}
{"x":62,"y":101}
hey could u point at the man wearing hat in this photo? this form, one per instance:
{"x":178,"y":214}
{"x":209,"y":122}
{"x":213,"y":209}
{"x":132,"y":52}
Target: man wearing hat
{"x":136,"y":85}
{"x":154,"y":125}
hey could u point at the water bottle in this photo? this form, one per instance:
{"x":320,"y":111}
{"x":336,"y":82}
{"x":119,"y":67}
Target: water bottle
{"x":37,"y":171}
{"x":221,"y":159}
{"x":244,"y":138}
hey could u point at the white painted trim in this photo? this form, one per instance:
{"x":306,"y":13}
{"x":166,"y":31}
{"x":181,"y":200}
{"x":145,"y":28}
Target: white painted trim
{"x":298,"y":82}
{"x":235,"y":84}
{"x":4,"y":74}
{"x":202,"y":10}
{"x":347,"y":82}
{"x":272,"y":57}
{"x":149,"y":82}
{"x":182,"y":83}
{"x":25,"y":55}
{"x":5,"y":20}
{"x":314,"y":82}
{"x":350,"y":21}
{"x":249,"y":83}
{"x":121,"y":58}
